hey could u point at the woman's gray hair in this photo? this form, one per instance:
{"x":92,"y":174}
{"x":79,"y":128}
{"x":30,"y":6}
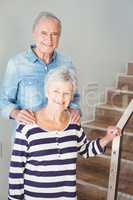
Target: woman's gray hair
{"x":63,"y":74}
{"x":46,"y":15}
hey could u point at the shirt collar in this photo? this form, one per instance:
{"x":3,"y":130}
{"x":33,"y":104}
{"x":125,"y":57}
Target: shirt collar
{"x":31,"y":56}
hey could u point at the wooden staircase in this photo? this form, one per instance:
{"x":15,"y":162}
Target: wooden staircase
{"x":93,"y":173}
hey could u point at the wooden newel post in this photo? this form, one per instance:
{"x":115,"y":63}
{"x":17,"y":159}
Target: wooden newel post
{"x":115,"y":155}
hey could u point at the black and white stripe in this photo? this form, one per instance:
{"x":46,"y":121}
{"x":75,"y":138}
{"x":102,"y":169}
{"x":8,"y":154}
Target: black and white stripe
{"x":43,"y":164}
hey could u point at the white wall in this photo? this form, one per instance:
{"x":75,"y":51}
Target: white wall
{"x":97,"y":34}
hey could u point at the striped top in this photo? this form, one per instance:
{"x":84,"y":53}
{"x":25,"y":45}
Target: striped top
{"x":43,"y":163}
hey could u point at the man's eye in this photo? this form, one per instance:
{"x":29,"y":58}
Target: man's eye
{"x":55,"y":34}
{"x":44,"y":33}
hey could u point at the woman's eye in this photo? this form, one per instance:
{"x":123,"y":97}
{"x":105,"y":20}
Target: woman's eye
{"x":67,"y":94}
{"x":56,"y":91}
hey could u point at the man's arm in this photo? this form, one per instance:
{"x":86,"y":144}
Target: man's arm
{"x":9,"y":90}
{"x":8,"y":97}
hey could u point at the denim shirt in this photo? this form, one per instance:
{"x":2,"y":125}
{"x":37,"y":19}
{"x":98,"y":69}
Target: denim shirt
{"x":23,"y":85}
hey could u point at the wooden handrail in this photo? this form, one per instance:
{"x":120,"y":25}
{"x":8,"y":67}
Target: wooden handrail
{"x":115,"y":155}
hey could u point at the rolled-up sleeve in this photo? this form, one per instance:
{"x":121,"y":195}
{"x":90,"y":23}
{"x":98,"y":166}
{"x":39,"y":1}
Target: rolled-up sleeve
{"x":8,"y":91}
{"x":88,"y":148}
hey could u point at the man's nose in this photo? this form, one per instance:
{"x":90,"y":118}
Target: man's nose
{"x":49,"y":39}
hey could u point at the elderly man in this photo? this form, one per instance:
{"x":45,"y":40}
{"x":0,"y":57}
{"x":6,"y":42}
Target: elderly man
{"x":23,"y":89}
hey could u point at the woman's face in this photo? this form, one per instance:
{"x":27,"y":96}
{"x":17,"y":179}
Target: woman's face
{"x":59,"y":95}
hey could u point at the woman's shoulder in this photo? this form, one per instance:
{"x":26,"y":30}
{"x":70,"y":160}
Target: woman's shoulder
{"x":75,"y":126}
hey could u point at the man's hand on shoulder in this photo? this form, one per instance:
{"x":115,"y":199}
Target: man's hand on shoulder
{"x":75,"y":116}
{"x":23,"y":116}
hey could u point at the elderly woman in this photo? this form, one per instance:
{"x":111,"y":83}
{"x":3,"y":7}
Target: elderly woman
{"x":43,"y":162}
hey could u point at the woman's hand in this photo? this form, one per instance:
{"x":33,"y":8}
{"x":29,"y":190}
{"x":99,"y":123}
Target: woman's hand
{"x":112,"y":132}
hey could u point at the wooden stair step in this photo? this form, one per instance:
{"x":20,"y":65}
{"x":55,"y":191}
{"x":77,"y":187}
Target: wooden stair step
{"x":105,"y":112}
{"x":108,"y":113}
{"x":96,"y":171}
{"x":125,"y":183}
{"x":130,"y":68}
{"x":125,"y":82}
{"x":120,"y":98}
{"x":101,"y":125}
{"x":86,"y":191}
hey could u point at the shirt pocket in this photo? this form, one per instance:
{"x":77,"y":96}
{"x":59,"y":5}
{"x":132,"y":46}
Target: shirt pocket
{"x":31,"y":93}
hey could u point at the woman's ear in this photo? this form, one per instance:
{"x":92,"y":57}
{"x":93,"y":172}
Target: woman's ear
{"x":46,"y":92}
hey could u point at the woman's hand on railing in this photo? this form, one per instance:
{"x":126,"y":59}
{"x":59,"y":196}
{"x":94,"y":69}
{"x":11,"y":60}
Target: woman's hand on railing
{"x":112,"y":132}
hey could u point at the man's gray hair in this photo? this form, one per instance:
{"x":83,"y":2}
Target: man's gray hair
{"x":63,"y":74}
{"x":46,"y":15}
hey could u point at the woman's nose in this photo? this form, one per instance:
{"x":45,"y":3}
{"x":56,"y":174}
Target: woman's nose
{"x":60,"y":98}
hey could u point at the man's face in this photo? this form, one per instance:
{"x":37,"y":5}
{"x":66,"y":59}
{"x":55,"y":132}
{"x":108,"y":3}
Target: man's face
{"x":46,"y":35}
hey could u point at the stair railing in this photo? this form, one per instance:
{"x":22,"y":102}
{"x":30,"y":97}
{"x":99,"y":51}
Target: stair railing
{"x":115,"y":155}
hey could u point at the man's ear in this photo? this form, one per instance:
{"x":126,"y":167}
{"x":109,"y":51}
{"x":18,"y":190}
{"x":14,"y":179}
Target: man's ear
{"x":33,"y":35}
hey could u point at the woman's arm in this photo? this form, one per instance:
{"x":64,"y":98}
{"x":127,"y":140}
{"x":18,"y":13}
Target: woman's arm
{"x":89,"y":148}
{"x":17,"y":166}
